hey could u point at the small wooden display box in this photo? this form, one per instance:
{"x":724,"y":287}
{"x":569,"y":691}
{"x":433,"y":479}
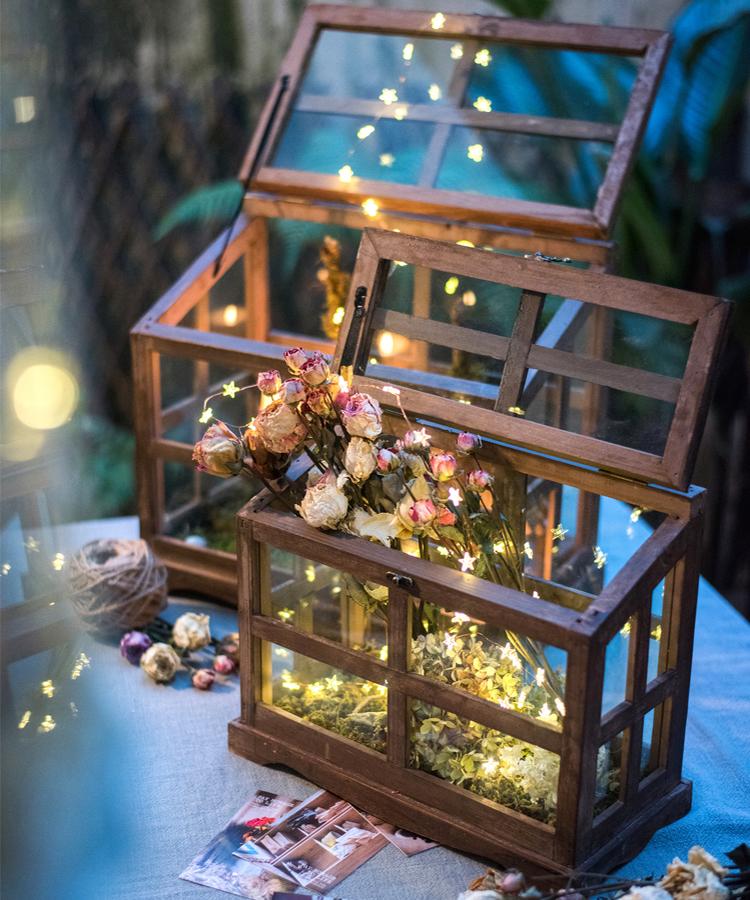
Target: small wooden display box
{"x":459,"y":156}
{"x":350,"y":702}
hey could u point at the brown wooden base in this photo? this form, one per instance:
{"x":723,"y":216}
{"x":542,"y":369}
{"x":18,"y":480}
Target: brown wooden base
{"x":407,"y":812}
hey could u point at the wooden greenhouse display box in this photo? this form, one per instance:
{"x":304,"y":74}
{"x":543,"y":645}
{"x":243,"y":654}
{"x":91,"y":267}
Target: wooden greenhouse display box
{"x":403,"y":725}
{"x":405,"y":120}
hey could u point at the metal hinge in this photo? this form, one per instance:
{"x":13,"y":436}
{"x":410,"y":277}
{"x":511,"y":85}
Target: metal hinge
{"x":355,"y":326}
{"x":402,"y":581}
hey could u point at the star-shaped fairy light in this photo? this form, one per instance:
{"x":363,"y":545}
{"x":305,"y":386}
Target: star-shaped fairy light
{"x":516,"y":411}
{"x":483,"y":57}
{"x":58,"y":562}
{"x":528,"y":550}
{"x":5,"y":569}
{"x":475,"y":152}
{"x":420,"y":438}
{"x":458,"y":617}
{"x":434,"y":92}
{"x":600,"y":557}
{"x":388,"y":96}
{"x":457,"y":51}
{"x":31,"y":544}
{"x":483,"y":104}
{"x":387,"y":160}
{"x":437,"y":22}
{"x":490,"y":766}
{"x":206,"y":416}
{"x":370,"y":208}
{"x":229,"y":390}
{"x":346,"y":173}
{"x":451,"y":285}
{"x":467,"y":562}
{"x":454,"y":495}
{"x":400,"y":113}
{"x":558,"y":532}
{"x":365,"y":131}
{"x":408,"y":52}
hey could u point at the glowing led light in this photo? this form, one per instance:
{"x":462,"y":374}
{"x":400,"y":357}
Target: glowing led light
{"x":48,"y":688}
{"x":285,"y":614}
{"x":600,"y":557}
{"x":338,"y":316}
{"x":24,"y":109}
{"x":387,"y":160}
{"x":437,"y":21}
{"x":291,"y":685}
{"x":457,"y":51}
{"x":231,"y":315}
{"x":229,"y":390}
{"x":656,"y":633}
{"x":6,"y":567}
{"x":451,"y":285}
{"x":370,"y":208}
{"x":625,"y":630}
{"x":443,"y":551}
{"x":281,"y":652}
{"x":560,"y":706}
{"x":346,"y":173}
{"x":469,"y":298}
{"x":82,"y":662}
{"x":206,"y":415}
{"x":483,"y":104}
{"x":398,"y":262}
{"x":528,"y":550}
{"x":386,"y":343}
{"x":465,"y":243}
{"x":459,"y":617}
{"x":25,"y":719}
{"x":383,"y":654}
{"x":310,"y":573}
{"x":400,"y":113}
{"x":464,"y":401}
{"x":44,"y":393}
{"x":434,"y":92}
{"x":373,"y":360}
{"x":483,"y":57}
{"x":390,"y":389}
{"x":475,"y":152}
{"x":498,"y":547}
{"x":47,"y":724}
{"x":32,"y":544}
{"x":388,"y":96}
{"x":630,"y":532}
{"x":420,"y":438}
{"x":408,"y":52}
{"x":454,"y":495}
{"x":558,"y":532}
{"x":636,"y":513}
{"x":58,"y":562}
{"x":539,"y":677}
{"x":365,"y":131}
{"x":73,"y":709}
{"x":315,"y":688}
{"x":334,"y":682}
{"x":490,"y":766}
{"x":467,"y":562}
{"x":516,"y":411}
{"x":450,"y":642}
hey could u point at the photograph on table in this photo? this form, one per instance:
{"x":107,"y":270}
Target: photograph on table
{"x":317,"y":844}
{"x":217,"y":867}
{"x":406,"y":841}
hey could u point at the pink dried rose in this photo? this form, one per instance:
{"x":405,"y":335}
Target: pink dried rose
{"x":295,"y":358}
{"x":415,"y":439}
{"x":315,"y":370}
{"x":229,"y":646}
{"x":387,"y":460}
{"x":279,"y":427}
{"x":466,"y":442}
{"x":219,"y":452}
{"x":443,"y":466}
{"x":479,"y":480}
{"x":318,"y":400}
{"x":269,"y":382}
{"x":422,"y":513}
{"x":223,"y":665}
{"x":512,"y":882}
{"x":362,"y":416}
{"x":293,"y":390}
{"x":445,"y":516}
{"x":203,"y":679}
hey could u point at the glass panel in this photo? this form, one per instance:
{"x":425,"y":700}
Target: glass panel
{"x":326,"y":696}
{"x":524,"y":166}
{"x":504,"y":668}
{"x":654,"y":726}
{"x":223,"y":308}
{"x":655,"y":667}
{"x":608,"y":774}
{"x":327,"y":602}
{"x":486,"y":762}
{"x":544,"y":81}
{"x":616,"y":667}
{"x":201,"y":509}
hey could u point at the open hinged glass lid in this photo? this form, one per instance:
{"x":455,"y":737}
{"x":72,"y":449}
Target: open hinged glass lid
{"x":607,"y":371}
{"x":531,"y":124}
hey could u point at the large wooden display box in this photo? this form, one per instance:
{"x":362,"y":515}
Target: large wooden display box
{"x":557,"y":112}
{"x":356,"y":704}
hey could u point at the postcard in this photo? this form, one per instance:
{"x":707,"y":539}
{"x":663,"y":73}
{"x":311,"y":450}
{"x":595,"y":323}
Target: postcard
{"x":317,"y":844}
{"x":407,"y":842}
{"x":217,"y":867}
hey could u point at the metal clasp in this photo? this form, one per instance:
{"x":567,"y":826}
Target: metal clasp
{"x":542,"y":257}
{"x":402,"y":581}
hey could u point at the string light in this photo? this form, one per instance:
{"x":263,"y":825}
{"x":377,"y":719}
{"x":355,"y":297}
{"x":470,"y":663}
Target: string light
{"x":310,"y":573}
{"x":625,"y":630}
{"x":420,"y":438}
{"x":48,"y":689}
{"x":229,"y":390}
{"x":450,"y":642}
{"x":483,"y":104}
{"x":388,"y":96}
{"x":467,"y":562}
{"x":25,"y":719}
{"x":315,"y":688}
{"x":82,"y":662}
{"x":346,"y":173}
{"x":338,"y":316}
{"x":400,"y":113}
{"x":231,"y":315}
{"x":390,"y":389}
{"x":47,"y":724}
{"x":516,"y":411}
{"x":6,"y":567}
{"x":457,"y":618}
{"x":560,"y":706}
{"x":370,"y":208}
{"x":528,"y":550}
{"x":465,"y":243}
{"x":475,"y":152}
{"x":281,"y":652}
{"x":383,"y":654}
{"x":539,"y":677}
{"x":558,"y":532}
{"x":408,"y":52}
{"x":454,"y":495}
{"x":499,"y":547}
{"x":483,"y":57}
{"x":457,"y":51}
{"x":58,"y":562}
{"x":600,"y":557}
{"x":434,"y":92}
{"x":206,"y":415}
{"x":365,"y":131}
{"x":387,"y":160}
{"x":451,"y":285}
{"x":32,"y":544}
{"x":469,"y":298}
{"x":490,"y":766}
{"x":334,"y":683}
{"x":437,"y":22}
{"x":285,"y":614}
{"x":656,"y":633}
{"x":636,"y":513}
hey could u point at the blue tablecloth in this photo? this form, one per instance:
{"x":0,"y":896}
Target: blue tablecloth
{"x":117,"y":800}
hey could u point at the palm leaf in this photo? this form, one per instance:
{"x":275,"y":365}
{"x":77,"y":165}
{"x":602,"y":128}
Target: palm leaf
{"x":216,"y":202}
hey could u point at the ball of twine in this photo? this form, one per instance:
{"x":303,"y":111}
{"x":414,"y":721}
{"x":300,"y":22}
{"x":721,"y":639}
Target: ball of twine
{"x":117,"y":585}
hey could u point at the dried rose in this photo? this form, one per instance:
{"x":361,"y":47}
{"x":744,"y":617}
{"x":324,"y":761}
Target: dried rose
{"x":422,"y":513}
{"x":360,"y":460}
{"x":203,"y":679}
{"x":160,"y":662}
{"x":512,"y":882}
{"x":387,"y":460}
{"x":413,"y":462}
{"x":191,"y":631}
{"x":315,"y":370}
{"x":223,"y":665}
{"x":479,"y":480}
{"x":443,"y":466}
{"x":647,"y":892}
{"x":279,"y":427}
{"x":324,"y":504}
{"x":219,"y":452}
{"x":229,"y":646}
{"x":269,"y":382}
{"x":362,"y":416}
{"x":445,"y":516}
{"x":133,"y":644}
{"x":293,"y":390}
{"x":466,"y":442}
{"x":318,"y":400}
{"x":295,"y":358}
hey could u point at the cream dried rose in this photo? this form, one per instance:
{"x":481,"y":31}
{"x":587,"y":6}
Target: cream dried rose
{"x":324,"y":504}
{"x":160,"y":662}
{"x":219,"y":452}
{"x":279,"y":427}
{"x":191,"y":631}
{"x":362,"y":416}
{"x":360,"y":459}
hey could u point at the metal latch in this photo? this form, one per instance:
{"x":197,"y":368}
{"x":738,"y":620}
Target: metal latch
{"x":402,"y":581}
